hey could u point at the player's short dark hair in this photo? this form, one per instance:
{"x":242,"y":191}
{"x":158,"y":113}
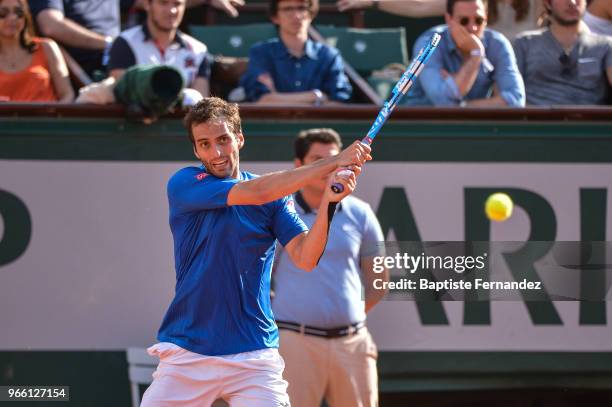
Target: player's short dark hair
{"x":313,"y":7}
{"x":211,"y":109}
{"x":450,"y":4}
{"x":307,"y":137}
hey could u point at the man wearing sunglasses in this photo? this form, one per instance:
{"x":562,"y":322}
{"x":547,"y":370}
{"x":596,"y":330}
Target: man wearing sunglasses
{"x":565,"y":63}
{"x":473,"y":66}
{"x":293,"y":69}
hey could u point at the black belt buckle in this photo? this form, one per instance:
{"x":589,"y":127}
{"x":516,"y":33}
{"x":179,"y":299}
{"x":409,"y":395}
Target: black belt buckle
{"x":320,"y":332}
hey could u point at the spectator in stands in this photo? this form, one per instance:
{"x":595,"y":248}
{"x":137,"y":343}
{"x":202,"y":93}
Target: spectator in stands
{"x":328,"y":351}
{"x":511,"y":17}
{"x":31,"y":69}
{"x":473,"y":66}
{"x":230,"y":7}
{"x":408,"y":8}
{"x":158,"y":41}
{"x":135,"y":7}
{"x":293,"y":69}
{"x":506,"y":16}
{"x":565,"y":63}
{"x":598,"y":17}
{"x":85,"y":27}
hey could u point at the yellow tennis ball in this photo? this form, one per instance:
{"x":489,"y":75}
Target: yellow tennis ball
{"x":499,"y":207}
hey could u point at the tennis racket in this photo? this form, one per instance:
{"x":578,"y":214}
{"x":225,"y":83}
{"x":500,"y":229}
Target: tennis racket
{"x":398,"y":92}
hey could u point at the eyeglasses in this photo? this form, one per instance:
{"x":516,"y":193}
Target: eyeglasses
{"x":466,"y":20}
{"x":5,"y":12}
{"x":292,"y":9}
{"x":566,"y":65}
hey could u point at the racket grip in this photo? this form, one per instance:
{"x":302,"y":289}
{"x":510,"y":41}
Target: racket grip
{"x":337,"y":187}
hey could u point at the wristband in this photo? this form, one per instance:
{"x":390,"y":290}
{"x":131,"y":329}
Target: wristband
{"x":106,"y":53}
{"x":476,"y":53}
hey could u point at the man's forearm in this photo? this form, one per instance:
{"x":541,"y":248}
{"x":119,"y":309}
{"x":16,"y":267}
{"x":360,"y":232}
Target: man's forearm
{"x":466,"y":76}
{"x":195,"y":3}
{"x":372,"y":295}
{"x":495,"y":101}
{"x":202,"y":85}
{"x":54,"y":25}
{"x":413,"y":8}
{"x":307,"y":97}
{"x":312,"y":246}
{"x":276,"y":185}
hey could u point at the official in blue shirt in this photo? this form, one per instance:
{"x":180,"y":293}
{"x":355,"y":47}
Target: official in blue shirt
{"x":218,"y":338}
{"x":293,"y":69}
{"x":473,"y":66}
{"x":328,"y":351}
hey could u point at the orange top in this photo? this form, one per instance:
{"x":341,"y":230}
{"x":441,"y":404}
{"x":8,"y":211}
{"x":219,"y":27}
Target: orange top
{"x":32,"y":84}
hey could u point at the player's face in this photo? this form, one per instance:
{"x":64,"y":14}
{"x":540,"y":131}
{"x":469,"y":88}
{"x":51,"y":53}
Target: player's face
{"x":566,"y":12}
{"x":165,"y":15}
{"x":293,"y":17}
{"x":217,"y":148}
{"x":472,"y":15}
{"x":316,"y":152}
{"x":12,"y":18}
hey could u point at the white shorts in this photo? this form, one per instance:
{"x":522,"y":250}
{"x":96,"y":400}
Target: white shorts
{"x":248,"y":379}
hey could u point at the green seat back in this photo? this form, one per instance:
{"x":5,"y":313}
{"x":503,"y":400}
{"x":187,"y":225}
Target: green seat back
{"x":368,"y":49}
{"x":232,"y":40}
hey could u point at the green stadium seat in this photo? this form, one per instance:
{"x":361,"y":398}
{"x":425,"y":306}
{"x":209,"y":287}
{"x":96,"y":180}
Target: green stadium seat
{"x":232,"y":41}
{"x":368,"y":49}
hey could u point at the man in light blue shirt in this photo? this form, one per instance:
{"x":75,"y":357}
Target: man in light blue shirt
{"x":473,"y":66}
{"x":328,"y":351}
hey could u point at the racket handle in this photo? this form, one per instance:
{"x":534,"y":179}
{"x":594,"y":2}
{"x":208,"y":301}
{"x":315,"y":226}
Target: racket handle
{"x":337,"y":187}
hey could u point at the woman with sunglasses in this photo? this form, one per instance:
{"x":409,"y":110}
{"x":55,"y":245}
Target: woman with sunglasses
{"x":31,"y":69}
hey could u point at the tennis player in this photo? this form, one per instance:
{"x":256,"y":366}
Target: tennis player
{"x":218,"y":338}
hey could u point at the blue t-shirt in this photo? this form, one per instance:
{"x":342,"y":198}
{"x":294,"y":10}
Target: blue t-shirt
{"x":321,"y":67}
{"x":223,"y":259}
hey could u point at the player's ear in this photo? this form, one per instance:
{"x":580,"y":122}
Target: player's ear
{"x":297,"y":162}
{"x":447,"y":18}
{"x":195,"y":152}
{"x":240,"y":140}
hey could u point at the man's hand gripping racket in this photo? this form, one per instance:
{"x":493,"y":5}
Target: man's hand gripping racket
{"x":400,"y":89}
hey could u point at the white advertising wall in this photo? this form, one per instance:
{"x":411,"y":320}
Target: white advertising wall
{"x":98,"y":270}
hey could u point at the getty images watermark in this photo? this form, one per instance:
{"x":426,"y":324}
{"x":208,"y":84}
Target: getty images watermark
{"x":502,"y":271}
